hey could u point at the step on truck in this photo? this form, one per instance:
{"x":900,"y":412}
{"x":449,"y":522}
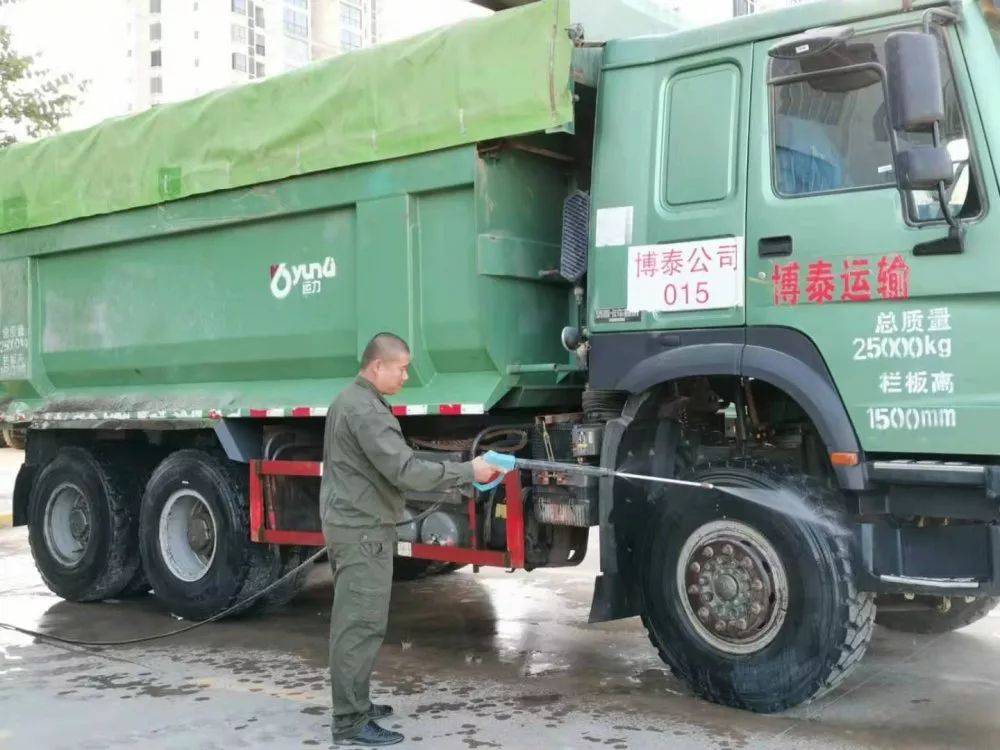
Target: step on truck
{"x":761,"y":254}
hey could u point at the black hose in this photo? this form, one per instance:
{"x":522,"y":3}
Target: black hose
{"x":214,"y":618}
{"x":494,"y":432}
{"x":178,"y":631}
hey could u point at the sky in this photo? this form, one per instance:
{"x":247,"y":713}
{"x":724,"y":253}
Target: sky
{"x":81,"y":41}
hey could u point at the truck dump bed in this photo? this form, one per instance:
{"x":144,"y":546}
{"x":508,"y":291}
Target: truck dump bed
{"x":230,"y":256}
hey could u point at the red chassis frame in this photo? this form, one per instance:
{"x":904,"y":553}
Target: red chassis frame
{"x":263,"y":520}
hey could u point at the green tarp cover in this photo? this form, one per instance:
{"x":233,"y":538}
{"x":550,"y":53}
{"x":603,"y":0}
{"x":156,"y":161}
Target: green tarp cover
{"x":488,"y":78}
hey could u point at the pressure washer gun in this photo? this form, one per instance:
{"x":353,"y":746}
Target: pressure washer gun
{"x":505,"y":462}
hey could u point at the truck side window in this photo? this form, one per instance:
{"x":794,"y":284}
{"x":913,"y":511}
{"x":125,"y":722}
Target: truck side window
{"x":831,"y":133}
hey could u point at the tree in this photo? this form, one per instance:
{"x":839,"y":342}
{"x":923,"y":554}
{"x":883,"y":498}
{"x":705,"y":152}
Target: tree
{"x":33,"y":100}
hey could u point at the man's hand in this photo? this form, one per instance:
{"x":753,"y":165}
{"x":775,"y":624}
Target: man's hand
{"x":484,"y":472}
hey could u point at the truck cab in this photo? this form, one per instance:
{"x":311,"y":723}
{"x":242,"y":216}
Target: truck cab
{"x":792,"y":295}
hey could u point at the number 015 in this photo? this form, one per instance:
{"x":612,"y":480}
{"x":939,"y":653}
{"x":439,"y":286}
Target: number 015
{"x":685,"y":293}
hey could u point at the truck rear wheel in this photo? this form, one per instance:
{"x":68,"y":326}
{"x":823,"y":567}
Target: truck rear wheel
{"x":934,"y":616}
{"x":83,"y":520}
{"x":753,"y":608}
{"x":194,"y":535}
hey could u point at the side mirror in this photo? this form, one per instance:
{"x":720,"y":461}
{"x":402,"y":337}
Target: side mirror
{"x":924,"y":167}
{"x":916,"y":95}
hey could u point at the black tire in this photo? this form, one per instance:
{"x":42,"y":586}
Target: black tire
{"x":138,"y":586}
{"x":15,"y":437}
{"x":827,"y":623}
{"x":932,"y":620}
{"x":236,"y":568}
{"x":104,"y":496}
{"x":284,"y":559}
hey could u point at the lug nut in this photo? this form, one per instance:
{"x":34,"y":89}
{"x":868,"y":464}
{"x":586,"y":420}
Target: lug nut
{"x":703,"y":613}
{"x":720,"y":625}
{"x":695,"y":567}
{"x":747,"y":563}
{"x":755,"y":608}
{"x":708,"y":552}
{"x":727,"y":549}
{"x":756,"y":584}
{"x":741,"y":624}
{"x":692,"y":589}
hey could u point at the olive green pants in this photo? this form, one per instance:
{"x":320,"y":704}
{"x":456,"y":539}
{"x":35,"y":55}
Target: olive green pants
{"x":362,"y":583}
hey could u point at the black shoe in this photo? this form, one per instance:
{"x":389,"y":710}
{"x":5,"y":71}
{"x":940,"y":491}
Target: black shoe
{"x":371,"y":735}
{"x":379,"y":711}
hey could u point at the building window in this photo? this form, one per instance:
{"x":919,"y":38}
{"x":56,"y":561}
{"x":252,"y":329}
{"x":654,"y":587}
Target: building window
{"x":296,"y":23}
{"x":258,"y":14}
{"x":197,"y":63}
{"x":298,"y":3}
{"x":156,"y":58}
{"x":259,"y":45}
{"x":239,"y":34}
{"x":240,"y":6}
{"x":155,"y":32}
{"x":296,"y":52}
{"x":349,"y":40}
{"x":350,"y":15}
{"x":154,"y":6}
{"x":156,"y":85}
{"x":240,"y":62}
{"x":260,"y":70}
{"x":196,"y":33}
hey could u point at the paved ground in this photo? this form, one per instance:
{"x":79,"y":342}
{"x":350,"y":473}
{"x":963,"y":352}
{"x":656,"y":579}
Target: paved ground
{"x":10,"y":462}
{"x":471,"y":661}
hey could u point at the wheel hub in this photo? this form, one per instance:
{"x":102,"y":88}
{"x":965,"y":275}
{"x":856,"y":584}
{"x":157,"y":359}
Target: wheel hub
{"x":200,"y":533}
{"x":187,"y":535}
{"x":732,"y":588}
{"x":736,"y":591}
{"x":79,"y":524}
{"x":66,"y":525}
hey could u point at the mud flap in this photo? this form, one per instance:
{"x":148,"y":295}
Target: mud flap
{"x":612,"y":599}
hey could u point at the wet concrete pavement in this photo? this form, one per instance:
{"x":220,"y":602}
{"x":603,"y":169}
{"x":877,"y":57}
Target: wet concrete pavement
{"x":470,"y":661}
{"x":10,"y":462}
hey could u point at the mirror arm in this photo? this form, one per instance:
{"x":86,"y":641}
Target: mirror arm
{"x":956,"y":231}
{"x":942,"y":16}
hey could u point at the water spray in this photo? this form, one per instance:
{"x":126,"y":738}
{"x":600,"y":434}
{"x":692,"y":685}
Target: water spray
{"x":505,"y":462}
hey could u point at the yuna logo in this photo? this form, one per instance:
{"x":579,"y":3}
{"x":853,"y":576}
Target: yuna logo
{"x":285,"y":278}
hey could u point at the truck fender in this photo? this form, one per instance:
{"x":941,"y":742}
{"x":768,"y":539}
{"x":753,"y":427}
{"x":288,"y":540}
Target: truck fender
{"x":784,"y":358}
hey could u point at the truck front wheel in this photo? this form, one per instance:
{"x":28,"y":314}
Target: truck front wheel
{"x":753,"y":604}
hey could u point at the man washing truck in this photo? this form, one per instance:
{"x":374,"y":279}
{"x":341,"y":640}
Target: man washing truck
{"x":367,"y":464}
{"x":758,"y":255}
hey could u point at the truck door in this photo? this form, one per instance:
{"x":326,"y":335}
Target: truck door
{"x":670,"y":197}
{"x":831,"y":249}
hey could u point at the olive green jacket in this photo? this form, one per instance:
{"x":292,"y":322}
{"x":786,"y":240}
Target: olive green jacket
{"x":367,"y":464}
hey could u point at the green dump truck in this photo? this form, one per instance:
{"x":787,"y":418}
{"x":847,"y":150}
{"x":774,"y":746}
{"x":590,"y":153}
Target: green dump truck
{"x":757,"y":254}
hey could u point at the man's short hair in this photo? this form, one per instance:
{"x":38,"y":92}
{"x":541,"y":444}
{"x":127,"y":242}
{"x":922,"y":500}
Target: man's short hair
{"x":383,"y":345}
